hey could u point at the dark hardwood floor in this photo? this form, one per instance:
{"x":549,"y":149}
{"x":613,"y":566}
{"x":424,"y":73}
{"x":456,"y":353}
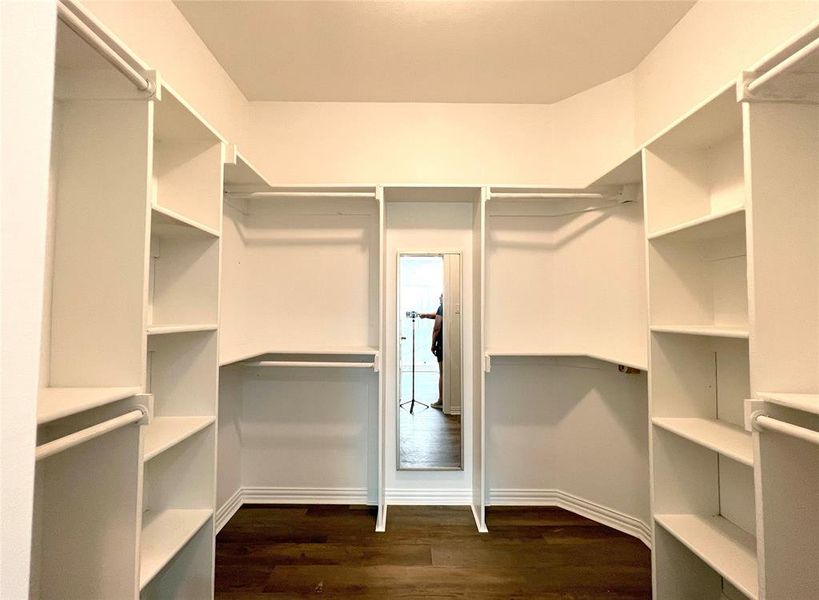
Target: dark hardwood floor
{"x":269,"y":552}
{"x":429,"y":439}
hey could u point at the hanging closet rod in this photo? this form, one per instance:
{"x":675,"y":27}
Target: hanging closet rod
{"x":248,"y":195}
{"x":551,"y":196}
{"x":783,"y":66}
{"x":97,"y":43}
{"x":563,"y":214}
{"x":301,"y":363}
{"x":762,"y":421}
{"x":89,"y":433}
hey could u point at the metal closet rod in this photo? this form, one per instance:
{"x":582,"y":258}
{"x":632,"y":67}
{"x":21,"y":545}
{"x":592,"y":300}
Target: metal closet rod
{"x":783,"y":66}
{"x":763,"y":421}
{"x":87,"y":434}
{"x":550,"y":195}
{"x":563,"y":214}
{"x":313,"y":194}
{"x":103,"y":49}
{"x":304,"y":363}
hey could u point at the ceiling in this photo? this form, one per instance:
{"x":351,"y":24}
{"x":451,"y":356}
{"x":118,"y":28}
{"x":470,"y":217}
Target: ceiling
{"x":428,"y":51}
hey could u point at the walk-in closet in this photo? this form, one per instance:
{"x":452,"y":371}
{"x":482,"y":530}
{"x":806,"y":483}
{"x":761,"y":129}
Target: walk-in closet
{"x":410,"y":299}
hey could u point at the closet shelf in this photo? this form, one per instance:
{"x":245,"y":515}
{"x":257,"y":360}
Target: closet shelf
{"x":805,"y":402}
{"x":726,"y":439}
{"x":169,"y":223}
{"x":708,"y":227}
{"x":722,"y":545}
{"x":310,"y":364}
{"x":166,"y":329}
{"x":164,"y":534}
{"x":703,"y":330}
{"x":556,"y":354}
{"x":58,"y":402}
{"x":165,"y":432}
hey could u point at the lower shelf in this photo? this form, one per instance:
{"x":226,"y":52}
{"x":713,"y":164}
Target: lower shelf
{"x":727,"y":439}
{"x":164,"y":534}
{"x":726,"y":548}
{"x":166,"y":432}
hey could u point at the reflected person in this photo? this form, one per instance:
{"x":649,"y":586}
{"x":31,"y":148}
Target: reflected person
{"x":438,"y":347}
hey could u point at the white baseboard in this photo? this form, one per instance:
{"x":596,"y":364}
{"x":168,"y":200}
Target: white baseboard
{"x":586,"y":508}
{"x":429,"y":497}
{"x":298,"y":495}
{"x":228,"y":509}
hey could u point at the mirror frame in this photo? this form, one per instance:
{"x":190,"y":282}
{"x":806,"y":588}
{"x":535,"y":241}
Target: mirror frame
{"x":397,"y":308}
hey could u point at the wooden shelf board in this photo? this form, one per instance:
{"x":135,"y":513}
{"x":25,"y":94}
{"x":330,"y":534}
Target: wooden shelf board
{"x":166,"y":329}
{"x":58,"y":402}
{"x":242,"y":176}
{"x":165,"y":432}
{"x":805,"y":402}
{"x":175,"y":120}
{"x":169,"y":223}
{"x":725,"y":438}
{"x":703,"y":330}
{"x":722,"y":545}
{"x":707,"y":227}
{"x":164,"y":534}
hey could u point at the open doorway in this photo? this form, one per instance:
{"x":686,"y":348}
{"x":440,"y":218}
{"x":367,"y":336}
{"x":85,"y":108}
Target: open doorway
{"x":429,"y":361}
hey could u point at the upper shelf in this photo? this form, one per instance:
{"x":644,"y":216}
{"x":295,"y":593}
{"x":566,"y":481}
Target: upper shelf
{"x":169,"y":223}
{"x":56,"y":403}
{"x":240,"y":175}
{"x":717,"y":119}
{"x":711,"y":226}
{"x":176,"y":121}
{"x":304,"y":355}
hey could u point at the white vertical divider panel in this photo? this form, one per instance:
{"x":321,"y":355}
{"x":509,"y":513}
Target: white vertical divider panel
{"x":381,"y":519}
{"x":479,"y":366}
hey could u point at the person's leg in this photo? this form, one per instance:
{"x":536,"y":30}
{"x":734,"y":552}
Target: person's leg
{"x":440,"y":402}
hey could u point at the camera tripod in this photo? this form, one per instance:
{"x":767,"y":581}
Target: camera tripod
{"x":412,"y":402}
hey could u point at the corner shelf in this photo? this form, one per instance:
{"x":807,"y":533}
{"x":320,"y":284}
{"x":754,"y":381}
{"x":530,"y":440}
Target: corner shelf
{"x":726,"y":548}
{"x":725,"y":438}
{"x":58,"y":402}
{"x":169,"y":223}
{"x":703,"y":330}
{"x":569,"y":354}
{"x":167,"y":329}
{"x":165,"y":432}
{"x":164,"y":534}
{"x":711,"y":226}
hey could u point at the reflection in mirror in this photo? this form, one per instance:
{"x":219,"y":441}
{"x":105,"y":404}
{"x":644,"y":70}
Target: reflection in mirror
{"x":429,"y":365}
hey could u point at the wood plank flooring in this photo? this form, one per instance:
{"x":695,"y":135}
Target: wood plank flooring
{"x":268,"y":552}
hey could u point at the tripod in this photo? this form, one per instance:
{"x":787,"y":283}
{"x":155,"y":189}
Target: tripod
{"x":413,"y":401}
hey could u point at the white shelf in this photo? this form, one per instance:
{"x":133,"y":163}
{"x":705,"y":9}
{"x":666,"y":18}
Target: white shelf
{"x":703,"y":330}
{"x":59,"y":402}
{"x":712,"y":226}
{"x":719,"y":436}
{"x":722,"y":545}
{"x":804,"y":402}
{"x":165,"y":432}
{"x":167,"y":222}
{"x":559,"y":354}
{"x":166,"y":329}
{"x":164,"y":534}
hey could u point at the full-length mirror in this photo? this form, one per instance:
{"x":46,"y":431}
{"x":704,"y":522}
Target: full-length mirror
{"x":429,"y":361}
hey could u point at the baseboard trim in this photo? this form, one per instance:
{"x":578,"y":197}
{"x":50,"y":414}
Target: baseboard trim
{"x":429,"y":497}
{"x":583,"y":507}
{"x":228,"y":509}
{"x":298,"y":495}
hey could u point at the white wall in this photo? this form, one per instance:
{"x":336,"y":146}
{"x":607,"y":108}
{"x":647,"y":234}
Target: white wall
{"x":229,"y":441}
{"x":28,"y":38}
{"x":422,"y":226}
{"x":574,"y":425}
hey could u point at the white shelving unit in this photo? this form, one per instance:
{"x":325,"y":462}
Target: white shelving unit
{"x":781,"y":126}
{"x":86,"y":498}
{"x":702,"y":459}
